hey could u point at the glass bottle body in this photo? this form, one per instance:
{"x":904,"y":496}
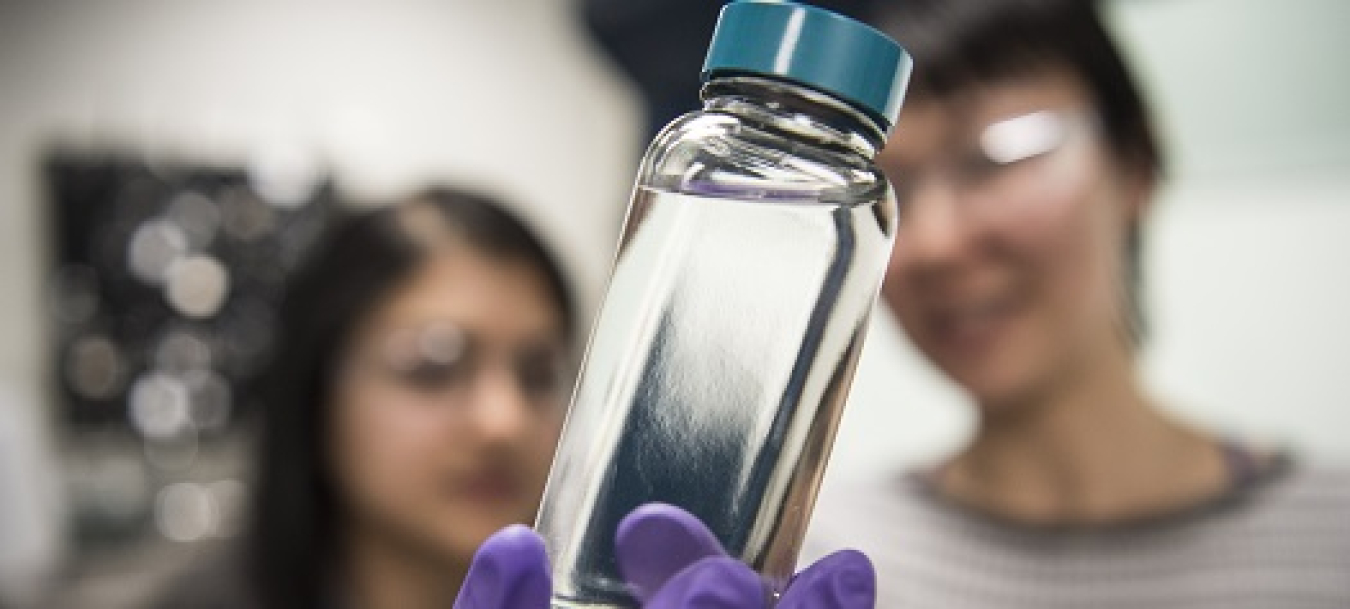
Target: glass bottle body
{"x":720,"y":362}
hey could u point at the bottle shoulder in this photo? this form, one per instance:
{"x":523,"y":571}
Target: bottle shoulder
{"x":720,"y":154}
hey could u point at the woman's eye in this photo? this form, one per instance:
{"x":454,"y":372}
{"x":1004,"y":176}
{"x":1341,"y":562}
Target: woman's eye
{"x":540,"y":376}
{"x":903,"y":182}
{"x":977,"y":168}
{"x":432,"y":376}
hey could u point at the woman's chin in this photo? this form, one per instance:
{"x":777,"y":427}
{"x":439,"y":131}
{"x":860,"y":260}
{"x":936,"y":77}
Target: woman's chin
{"x":468,"y":529}
{"x":993,"y":385}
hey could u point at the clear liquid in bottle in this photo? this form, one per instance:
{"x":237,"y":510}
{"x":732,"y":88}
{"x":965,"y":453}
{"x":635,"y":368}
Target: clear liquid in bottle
{"x":716,"y":376}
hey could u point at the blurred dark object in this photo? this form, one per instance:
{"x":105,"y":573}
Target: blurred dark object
{"x":660,"y":45}
{"x":164,"y":282}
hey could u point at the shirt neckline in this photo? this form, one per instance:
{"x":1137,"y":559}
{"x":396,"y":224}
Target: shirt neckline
{"x":1246,"y":471}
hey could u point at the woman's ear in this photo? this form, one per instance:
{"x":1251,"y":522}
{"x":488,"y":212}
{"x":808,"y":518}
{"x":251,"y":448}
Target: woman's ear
{"x":1138,"y":184}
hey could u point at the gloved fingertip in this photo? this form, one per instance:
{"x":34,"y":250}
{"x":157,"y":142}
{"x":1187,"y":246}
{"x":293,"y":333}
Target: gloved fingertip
{"x":663,"y":523}
{"x":855,"y":580}
{"x":712,"y":583}
{"x":656,"y":541}
{"x":843,"y":580}
{"x":510,"y":569}
{"x":514,"y":538}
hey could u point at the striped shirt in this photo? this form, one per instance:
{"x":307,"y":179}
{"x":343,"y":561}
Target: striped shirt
{"x":1282,"y":540}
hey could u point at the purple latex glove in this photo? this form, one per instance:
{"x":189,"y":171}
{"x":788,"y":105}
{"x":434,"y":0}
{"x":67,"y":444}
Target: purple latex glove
{"x":671,"y":561}
{"x":509,"y":571}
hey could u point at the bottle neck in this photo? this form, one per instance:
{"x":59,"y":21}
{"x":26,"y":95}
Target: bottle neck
{"x":795,"y":109}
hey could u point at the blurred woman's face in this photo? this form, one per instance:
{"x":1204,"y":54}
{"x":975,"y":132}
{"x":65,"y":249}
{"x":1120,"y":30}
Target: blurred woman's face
{"x":1007,"y":267}
{"x":450,"y":404}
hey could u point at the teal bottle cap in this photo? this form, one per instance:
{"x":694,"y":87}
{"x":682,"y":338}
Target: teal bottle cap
{"x":813,"y":47}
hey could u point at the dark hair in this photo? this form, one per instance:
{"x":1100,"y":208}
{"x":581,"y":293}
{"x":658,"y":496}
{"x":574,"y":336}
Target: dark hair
{"x":958,"y":44}
{"x":295,"y":511}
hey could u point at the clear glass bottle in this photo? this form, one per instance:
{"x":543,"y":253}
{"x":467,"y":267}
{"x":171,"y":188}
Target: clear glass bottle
{"x":752,"y":254}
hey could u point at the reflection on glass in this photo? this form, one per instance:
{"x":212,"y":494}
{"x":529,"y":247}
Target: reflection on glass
{"x":188,"y":511}
{"x":197,"y":215}
{"x":185,"y":512}
{"x":196,"y":286}
{"x":174,"y":453}
{"x":209,"y":399}
{"x":93,"y":367}
{"x":231,"y":500}
{"x":284,"y":175}
{"x":244,"y":216}
{"x":182,"y":351}
{"x":1022,"y":137}
{"x":154,"y":247}
{"x":158,"y":406}
{"x":109,"y":487}
{"x":75,"y":292}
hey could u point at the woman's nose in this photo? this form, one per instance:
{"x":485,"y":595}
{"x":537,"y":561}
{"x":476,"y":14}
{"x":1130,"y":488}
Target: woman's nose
{"x":931,"y":231}
{"x":501,"y":410}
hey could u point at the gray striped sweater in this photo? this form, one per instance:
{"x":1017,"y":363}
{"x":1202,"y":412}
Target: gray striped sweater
{"x":1280,"y":540}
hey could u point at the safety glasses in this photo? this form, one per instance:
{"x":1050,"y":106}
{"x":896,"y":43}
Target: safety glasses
{"x":442,"y":360}
{"x":1005,"y":163}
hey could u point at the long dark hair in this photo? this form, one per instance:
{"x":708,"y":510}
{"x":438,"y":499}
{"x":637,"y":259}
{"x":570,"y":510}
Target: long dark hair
{"x":296,"y":511}
{"x":959,"y":44}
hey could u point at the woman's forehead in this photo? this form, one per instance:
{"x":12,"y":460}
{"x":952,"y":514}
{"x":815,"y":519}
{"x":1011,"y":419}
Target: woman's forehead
{"x":965,"y":111}
{"x":501,"y":296}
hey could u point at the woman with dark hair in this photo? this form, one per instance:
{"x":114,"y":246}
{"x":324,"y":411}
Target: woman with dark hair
{"x":410,"y":415}
{"x":415,"y":398}
{"x":1026,"y":162}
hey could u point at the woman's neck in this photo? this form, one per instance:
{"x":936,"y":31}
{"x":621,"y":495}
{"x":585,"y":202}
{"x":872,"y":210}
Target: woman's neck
{"x":1090,"y":451}
{"x":382,"y":573}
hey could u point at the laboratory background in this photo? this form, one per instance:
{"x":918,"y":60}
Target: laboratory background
{"x":164,"y":165}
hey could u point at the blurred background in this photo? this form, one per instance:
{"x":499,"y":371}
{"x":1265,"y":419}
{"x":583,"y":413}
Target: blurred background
{"x":164,"y":164}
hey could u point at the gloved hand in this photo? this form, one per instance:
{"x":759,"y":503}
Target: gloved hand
{"x":671,"y":561}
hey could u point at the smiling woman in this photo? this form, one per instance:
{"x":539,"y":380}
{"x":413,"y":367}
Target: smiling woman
{"x":1026,"y":165}
{"x":412,"y":410}
{"x":1018,"y":218}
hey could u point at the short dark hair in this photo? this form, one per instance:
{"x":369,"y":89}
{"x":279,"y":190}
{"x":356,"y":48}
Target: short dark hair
{"x":296,"y":508}
{"x":958,"y":44}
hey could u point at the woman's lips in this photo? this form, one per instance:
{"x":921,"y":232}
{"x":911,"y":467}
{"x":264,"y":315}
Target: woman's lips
{"x":488,"y":487}
{"x":969,"y":327}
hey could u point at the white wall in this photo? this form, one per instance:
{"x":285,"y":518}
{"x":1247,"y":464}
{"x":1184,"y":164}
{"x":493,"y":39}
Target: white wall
{"x":1251,"y":293}
{"x":1249,"y":89}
